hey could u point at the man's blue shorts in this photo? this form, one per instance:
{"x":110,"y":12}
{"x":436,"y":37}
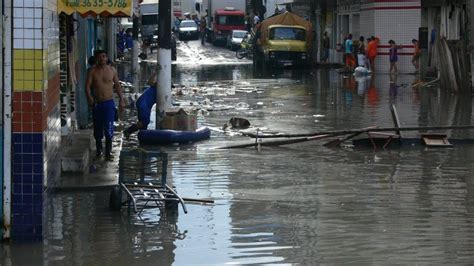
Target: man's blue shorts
{"x":104,"y":114}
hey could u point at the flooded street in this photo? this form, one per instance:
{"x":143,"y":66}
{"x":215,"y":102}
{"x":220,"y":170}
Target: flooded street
{"x":296,"y":204}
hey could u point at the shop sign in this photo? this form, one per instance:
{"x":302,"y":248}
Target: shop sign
{"x":96,"y":7}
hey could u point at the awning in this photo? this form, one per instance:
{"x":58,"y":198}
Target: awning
{"x":115,"y":8}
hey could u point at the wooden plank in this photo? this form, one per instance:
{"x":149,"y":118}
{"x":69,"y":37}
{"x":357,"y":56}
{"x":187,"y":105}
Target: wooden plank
{"x":396,"y":119}
{"x":436,"y":140}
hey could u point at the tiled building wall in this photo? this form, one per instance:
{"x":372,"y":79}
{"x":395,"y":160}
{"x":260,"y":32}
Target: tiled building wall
{"x":396,"y":20}
{"x":52,"y":131}
{"x":33,"y":104}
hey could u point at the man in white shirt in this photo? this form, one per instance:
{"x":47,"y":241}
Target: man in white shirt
{"x":256,"y":19}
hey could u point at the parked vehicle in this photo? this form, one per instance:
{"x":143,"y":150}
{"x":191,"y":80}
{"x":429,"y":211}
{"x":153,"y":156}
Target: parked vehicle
{"x":284,"y":40}
{"x":223,"y":16}
{"x":188,"y":29}
{"x":235,"y":38}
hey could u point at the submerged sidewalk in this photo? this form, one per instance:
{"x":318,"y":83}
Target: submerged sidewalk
{"x":81,"y":169}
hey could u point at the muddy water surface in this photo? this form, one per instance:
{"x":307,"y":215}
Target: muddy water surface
{"x":302,"y":203}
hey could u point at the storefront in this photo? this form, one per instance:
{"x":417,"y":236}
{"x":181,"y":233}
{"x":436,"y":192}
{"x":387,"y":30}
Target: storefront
{"x":96,"y":27}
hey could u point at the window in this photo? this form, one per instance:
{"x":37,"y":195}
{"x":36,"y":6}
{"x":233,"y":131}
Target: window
{"x":287,"y":34}
{"x":239,"y":34}
{"x":187,"y":24}
{"x":151,"y":19}
{"x":230,"y":20}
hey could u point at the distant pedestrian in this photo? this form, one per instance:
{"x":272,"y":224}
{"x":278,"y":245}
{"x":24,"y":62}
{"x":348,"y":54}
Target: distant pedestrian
{"x":256,"y":20}
{"x":416,"y":55}
{"x":394,"y":56}
{"x":361,"y":58}
{"x":372,"y":52}
{"x":349,"y":49}
{"x":325,"y":44}
{"x":128,"y":39}
{"x":176,"y":23}
{"x":202,"y":28}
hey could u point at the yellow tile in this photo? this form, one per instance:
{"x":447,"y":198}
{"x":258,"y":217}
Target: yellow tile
{"x":18,"y":54}
{"x":18,"y":75}
{"x":28,"y":85}
{"x":29,"y":64}
{"x":29,"y":75}
{"x":29,"y":54}
{"x":38,"y":64}
{"x":38,"y":75}
{"x":17,"y":85}
{"x":39,"y":54}
{"x":18,"y":64}
{"x":38,"y":85}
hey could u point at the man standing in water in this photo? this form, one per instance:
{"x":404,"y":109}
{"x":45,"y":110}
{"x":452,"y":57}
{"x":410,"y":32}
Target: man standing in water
{"x":100,"y":84}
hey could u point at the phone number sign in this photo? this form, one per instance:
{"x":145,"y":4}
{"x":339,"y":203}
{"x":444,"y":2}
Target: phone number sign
{"x":112,"y":7}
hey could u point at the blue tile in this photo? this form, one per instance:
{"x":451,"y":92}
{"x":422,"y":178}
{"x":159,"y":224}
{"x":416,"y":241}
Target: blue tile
{"x":17,"y":199}
{"x":17,"y":220}
{"x":17,"y":148}
{"x":29,"y":230}
{"x":28,"y":219}
{"x":38,"y":209}
{"x":17,"y":209}
{"x":38,"y":168}
{"x":27,"y":178}
{"x":17,"y":178}
{"x":27,"y":209}
{"x":27,"y":148}
{"x":17,"y":158}
{"x":37,"y":158}
{"x":28,"y":199}
{"x":37,"y":219}
{"x":37,"y":199}
{"x":27,"y":168}
{"x":37,"y":189}
{"x":37,"y":179}
{"x":17,"y":189}
{"x":27,"y":138}
{"x":38,"y":148}
{"x":27,"y":158}
{"x":17,"y":168}
{"x":37,"y":138}
{"x":27,"y":189}
{"x":16,"y":138}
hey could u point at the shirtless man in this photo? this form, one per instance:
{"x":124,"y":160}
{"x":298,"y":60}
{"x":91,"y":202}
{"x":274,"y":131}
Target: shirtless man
{"x":103,"y":78}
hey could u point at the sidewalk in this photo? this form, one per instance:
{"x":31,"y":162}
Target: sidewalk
{"x":81,"y":169}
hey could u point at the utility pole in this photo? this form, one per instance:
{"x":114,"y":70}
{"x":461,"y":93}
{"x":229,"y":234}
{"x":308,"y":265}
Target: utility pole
{"x":163,"y":93}
{"x":136,"y":28}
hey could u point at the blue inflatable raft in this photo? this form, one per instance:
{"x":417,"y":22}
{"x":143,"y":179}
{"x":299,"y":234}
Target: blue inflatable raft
{"x":167,"y":136}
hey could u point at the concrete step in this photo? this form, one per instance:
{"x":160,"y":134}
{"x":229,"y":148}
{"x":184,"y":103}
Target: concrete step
{"x":76,"y":152}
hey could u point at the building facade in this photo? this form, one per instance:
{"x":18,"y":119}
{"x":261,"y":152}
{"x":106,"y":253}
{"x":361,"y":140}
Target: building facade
{"x":44,"y":67}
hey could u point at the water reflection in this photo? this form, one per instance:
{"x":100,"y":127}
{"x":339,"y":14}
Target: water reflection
{"x":302,"y":204}
{"x":81,"y":224}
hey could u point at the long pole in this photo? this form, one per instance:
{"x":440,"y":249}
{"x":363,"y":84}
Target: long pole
{"x":7,"y":116}
{"x":163,"y":93}
{"x":135,"y":48}
{"x":352,"y":131}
